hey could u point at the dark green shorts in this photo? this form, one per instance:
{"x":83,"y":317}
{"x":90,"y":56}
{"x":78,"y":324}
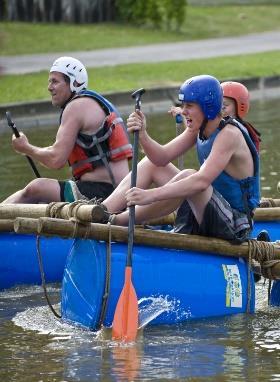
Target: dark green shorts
{"x":75,"y":190}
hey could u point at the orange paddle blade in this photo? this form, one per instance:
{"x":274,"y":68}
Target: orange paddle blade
{"x":125,"y":323}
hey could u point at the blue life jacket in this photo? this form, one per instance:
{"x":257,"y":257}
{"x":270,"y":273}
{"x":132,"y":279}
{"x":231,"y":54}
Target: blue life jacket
{"x":244,"y":194}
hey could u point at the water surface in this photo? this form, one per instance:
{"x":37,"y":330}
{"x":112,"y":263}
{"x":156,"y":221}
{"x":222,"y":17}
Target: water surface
{"x":35,"y":346}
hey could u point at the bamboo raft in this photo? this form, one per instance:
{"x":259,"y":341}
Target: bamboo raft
{"x":83,"y":211}
{"x":59,"y":223}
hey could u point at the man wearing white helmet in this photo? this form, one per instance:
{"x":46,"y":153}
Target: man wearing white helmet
{"x":91,"y":137}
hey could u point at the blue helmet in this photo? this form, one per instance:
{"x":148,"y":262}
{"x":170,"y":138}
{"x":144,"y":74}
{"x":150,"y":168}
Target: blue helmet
{"x":204,"y":90}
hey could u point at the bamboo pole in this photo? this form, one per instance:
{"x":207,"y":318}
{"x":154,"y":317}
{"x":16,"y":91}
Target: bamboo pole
{"x":12,"y":211}
{"x":164,"y":220}
{"x":84,"y":212}
{"x":6,"y":225}
{"x":66,"y":228}
{"x":81,"y":212}
{"x":267,"y":214}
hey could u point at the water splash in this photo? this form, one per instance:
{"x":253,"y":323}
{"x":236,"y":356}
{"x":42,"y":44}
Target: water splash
{"x":39,"y":319}
{"x":152,"y":307}
{"x":42,"y":321}
{"x":261,"y":295}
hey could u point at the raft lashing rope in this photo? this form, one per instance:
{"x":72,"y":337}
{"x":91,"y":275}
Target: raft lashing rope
{"x":269,"y":202}
{"x":55,"y":210}
{"x":106,"y":292}
{"x":40,"y":261}
{"x":264,"y":254}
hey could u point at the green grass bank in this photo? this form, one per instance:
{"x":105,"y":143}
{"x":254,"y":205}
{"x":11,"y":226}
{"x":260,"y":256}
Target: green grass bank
{"x":201,"y":22}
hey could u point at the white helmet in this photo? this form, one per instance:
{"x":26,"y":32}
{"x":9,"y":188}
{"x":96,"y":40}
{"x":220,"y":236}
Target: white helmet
{"x":73,"y":69}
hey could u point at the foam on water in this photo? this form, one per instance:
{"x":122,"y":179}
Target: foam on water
{"x":25,"y":291}
{"x":40,"y":319}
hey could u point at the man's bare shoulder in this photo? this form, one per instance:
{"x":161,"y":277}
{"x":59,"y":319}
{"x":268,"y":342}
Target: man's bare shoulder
{"x":83,"y":102}
{"x":86,"y":112}
{"x":230,"y":132}
{"x":229,"y":139}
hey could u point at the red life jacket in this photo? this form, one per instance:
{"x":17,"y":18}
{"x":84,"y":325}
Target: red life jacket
{"x":255,"y":135}
{"x":109,"y":143}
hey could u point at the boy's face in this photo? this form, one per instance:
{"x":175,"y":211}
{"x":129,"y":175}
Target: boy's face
{"x":229,"y":107}
{"x":193,"y":114}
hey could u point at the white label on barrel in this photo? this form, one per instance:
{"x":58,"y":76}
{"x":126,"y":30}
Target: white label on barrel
{"x":234,"y":286}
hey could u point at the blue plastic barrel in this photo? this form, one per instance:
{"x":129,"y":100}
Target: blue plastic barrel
{"x":197,"y":284}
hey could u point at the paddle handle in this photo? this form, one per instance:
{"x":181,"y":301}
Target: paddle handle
{"x":137,"y":95}
{"x":17,"y":134}
{"x":12,"y":124}
{"x":135,"y":155}
{"x":131,"y":220}
{"x":179,"y":130}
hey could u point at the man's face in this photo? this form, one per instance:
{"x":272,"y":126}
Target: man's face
{"x":59,"y":89}
{"x":193,"y":114}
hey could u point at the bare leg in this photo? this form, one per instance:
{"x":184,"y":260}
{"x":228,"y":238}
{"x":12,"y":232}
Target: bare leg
{"x":143,"y":214}
{"x":147,"y":174}
{"x":198,"y":203}
{"x":40,"y":190}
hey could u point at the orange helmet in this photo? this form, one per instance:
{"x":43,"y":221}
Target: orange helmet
{"x":239,"y":93}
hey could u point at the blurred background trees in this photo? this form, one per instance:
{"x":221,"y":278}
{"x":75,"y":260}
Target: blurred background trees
{"x":167,"y":14}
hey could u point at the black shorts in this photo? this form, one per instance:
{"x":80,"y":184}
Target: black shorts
{"x":219,"y":220}
{"x":86,"y":190}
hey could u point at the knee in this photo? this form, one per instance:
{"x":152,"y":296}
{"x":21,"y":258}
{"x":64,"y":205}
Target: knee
{"x":147,"y":167}
{"x":184,"y":174}
{"x":146,"y":164}
{"x":33,"y":189}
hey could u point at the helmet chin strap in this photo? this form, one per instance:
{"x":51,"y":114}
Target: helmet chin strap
{"x":202,"y":128}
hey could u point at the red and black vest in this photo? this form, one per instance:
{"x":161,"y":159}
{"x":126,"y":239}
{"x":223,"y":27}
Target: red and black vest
{"x":109,"y":143}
